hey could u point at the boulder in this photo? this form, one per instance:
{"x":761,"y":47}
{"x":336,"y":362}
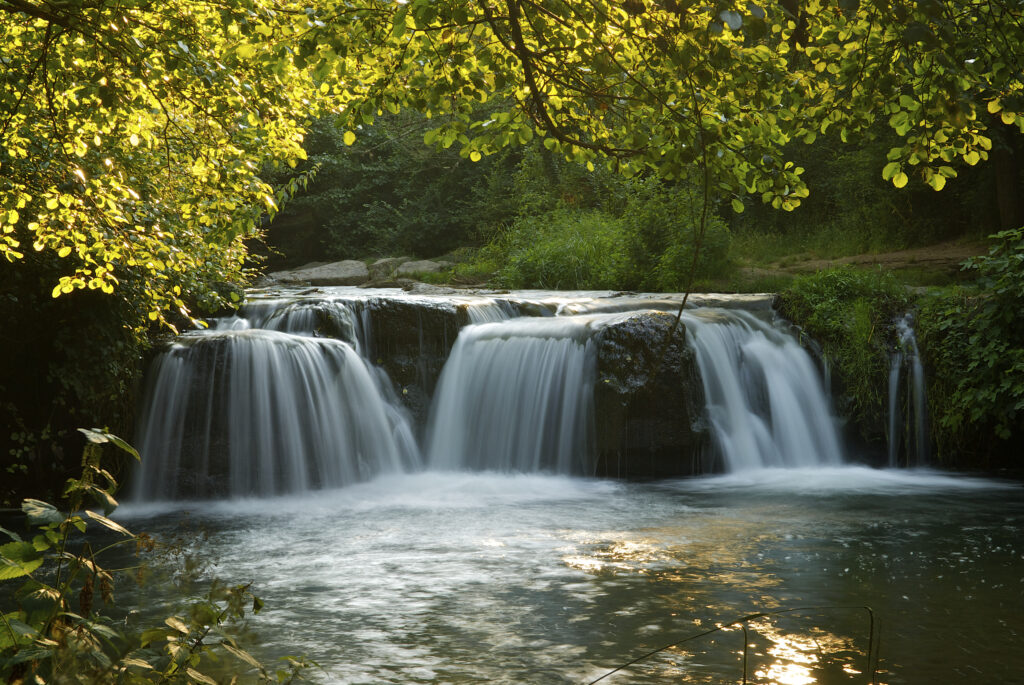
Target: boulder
{"x":345,"y":272}
{"x":410,"y":338}
{"x":384,"y":268}
{"x":649,"y":401}
{"x":422,"y":266}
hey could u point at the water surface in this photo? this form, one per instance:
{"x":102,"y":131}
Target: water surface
{"x":459,"y":577}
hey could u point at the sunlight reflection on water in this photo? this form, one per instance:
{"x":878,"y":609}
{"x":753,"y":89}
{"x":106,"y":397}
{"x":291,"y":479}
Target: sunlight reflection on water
{"x":534,"y":579}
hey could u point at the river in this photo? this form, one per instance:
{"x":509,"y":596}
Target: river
{"x":474,"y":547}
{"x":470,"y":577}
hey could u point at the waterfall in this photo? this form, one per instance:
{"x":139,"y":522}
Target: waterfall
{"x":243,"y":411}
{"x":516,"y":396}
{"x":765,"y":399}
{"x":282,"y":398}
{"x":489,"y":311}
{"x":908,"y":408}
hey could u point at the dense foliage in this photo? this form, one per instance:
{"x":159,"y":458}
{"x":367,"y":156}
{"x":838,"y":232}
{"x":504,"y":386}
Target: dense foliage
{"x":612,"y":233}
{"x":61,"y":625}
{"x":851,"y":313}
{"x":132,"y":136}
{"x":971,"y":339}
{"x":974,"y":343}
{"x":388,"y":194}
{"x":851,"y":209}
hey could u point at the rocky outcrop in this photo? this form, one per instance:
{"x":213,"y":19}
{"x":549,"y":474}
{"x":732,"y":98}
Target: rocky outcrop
{"x":422,"y":266}
{"x":384,"y":269}
{"x":411,"y":339}
{"x":345,"y":272}
{"x":649,"y":401}
{"x":385,"y":272}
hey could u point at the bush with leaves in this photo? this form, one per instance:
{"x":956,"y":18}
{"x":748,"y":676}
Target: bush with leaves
{"x":564,"y":249}
{"x":973,"y":340}
{"x":57,"y":632}
{"x":850,"y":313}
{"x":664,"y":222}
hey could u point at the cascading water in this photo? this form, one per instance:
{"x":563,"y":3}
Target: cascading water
{"x":247,"y":411}
{"x":908,"y":406}
{"x":516,"y":396}
{"x":280,"y":398}
{"x":765,"y":398}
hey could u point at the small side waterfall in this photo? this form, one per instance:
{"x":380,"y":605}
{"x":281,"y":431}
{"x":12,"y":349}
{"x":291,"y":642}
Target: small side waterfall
{"x":765,"y":398}
{"x":908,"y":405}
{"x":516,"y":396}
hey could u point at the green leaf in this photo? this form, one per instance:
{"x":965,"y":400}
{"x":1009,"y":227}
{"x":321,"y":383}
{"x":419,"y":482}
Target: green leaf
{"x":123,"y":445}
{"x":18,"y":559}
{"x":136,"y":663}
{"x":103,"y":520}
{"x":890,"y":170}
{"x":737,"y":206}
{"x":10,"y":533}
{"x":900,"y":180}
{"x":200,"y":677}
{"x":241,"y":654}
{"x":94,"y":435}
{"x":104,"y":499}
{"x":177,"y":624}
{"x":41,"y":513}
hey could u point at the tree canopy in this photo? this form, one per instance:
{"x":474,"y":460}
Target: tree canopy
{"x":133,"y":138}
{"x":133,"y":133}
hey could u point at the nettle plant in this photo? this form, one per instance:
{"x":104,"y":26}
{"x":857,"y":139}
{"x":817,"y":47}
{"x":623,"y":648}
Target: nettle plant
{"x":61,"y":624}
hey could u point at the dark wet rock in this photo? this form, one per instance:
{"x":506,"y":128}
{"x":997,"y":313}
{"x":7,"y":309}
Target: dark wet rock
{"x":649,"y":401}
{"x":411,"y":339}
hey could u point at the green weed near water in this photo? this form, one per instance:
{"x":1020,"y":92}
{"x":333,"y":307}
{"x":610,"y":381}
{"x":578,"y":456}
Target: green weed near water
{"x":850,"y":313}
{"x":973,"y":338}
{"x":62,"y":626}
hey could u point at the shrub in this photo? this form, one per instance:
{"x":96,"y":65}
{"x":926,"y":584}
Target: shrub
{"x":974,"y":345}
{"x":565,"y":249}
{"x":61,"y":628}
{"x":851,"y":314}
{"x":662,"y":227}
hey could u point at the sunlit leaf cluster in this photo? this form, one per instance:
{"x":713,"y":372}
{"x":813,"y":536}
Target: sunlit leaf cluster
{"x":132,"y":135}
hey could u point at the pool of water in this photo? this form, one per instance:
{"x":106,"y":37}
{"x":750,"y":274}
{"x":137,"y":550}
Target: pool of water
{"x":460,"y":577}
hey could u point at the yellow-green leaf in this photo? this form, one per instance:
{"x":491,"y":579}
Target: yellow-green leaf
{"x":349,"y":137}
{"x":177,"y":624}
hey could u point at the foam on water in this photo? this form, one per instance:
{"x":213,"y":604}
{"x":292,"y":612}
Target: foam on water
{"x":842,"y":480}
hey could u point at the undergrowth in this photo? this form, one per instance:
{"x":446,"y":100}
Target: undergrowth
{"x":850,"y":313}
{"x":61,"y":624}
